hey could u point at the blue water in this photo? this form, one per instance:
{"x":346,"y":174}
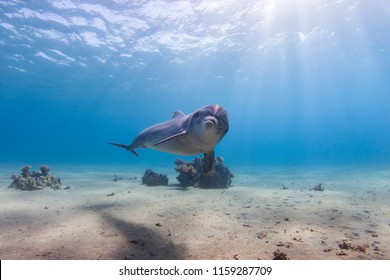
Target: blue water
{"x":304,"y":82}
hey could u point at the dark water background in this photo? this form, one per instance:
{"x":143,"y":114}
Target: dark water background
{"x":304,"y":82}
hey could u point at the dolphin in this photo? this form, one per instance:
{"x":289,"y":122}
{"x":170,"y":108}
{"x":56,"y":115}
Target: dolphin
{"x":195,"y":133}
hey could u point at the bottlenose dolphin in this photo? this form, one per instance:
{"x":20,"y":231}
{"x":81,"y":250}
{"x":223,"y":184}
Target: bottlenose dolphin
{"x":190,"y":134}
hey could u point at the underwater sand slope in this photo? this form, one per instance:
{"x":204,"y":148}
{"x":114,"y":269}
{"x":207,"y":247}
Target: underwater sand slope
{"x":98,"y":218}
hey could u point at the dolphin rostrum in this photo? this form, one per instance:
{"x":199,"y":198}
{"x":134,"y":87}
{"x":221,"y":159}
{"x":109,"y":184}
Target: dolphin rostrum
{"x":190,"y":134}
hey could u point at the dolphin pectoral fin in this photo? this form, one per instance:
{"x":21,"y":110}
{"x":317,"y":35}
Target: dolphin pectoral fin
{"x":126,"y":147}
{"x":184,"y":132}
{"x":208,"y":161}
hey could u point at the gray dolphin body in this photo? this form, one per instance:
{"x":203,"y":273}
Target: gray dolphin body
{"x":195,"y":133}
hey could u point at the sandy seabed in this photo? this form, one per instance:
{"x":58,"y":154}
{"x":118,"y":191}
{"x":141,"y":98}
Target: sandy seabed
{"x":98,"y":218}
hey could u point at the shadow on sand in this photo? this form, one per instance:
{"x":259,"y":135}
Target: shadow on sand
{"x":141,"y":243}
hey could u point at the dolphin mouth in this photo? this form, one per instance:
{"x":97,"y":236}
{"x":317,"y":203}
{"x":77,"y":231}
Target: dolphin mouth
{"x":225,"y":125}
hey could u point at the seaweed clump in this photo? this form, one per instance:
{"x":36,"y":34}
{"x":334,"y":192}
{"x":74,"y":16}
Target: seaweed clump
{"x":191,"y":174}
{"x":36,"y":180}
{"x":152,"y":178}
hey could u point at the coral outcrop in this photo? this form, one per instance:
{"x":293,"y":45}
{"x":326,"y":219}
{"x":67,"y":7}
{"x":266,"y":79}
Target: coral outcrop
{"x":318,"y":188}
{"x":191,"y":174}
{"x":35,"y":180}
{"x":152,"y":178}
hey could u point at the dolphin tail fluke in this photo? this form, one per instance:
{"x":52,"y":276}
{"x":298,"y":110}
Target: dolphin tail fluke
{"x":126,"y":147}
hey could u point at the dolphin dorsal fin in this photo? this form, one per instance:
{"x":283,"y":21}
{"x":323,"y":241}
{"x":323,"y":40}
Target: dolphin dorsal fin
{"x":178,"y":114}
